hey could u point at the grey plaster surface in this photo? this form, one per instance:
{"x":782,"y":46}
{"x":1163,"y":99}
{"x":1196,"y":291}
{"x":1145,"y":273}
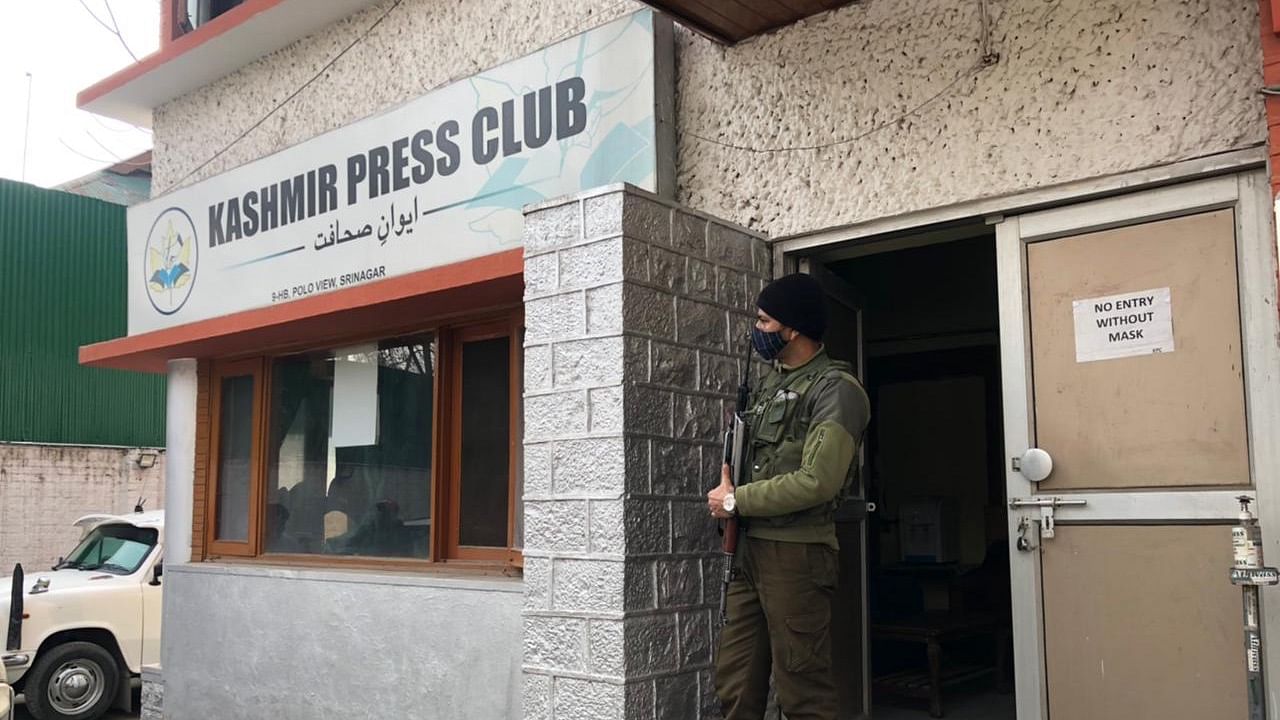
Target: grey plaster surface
{"x":278,"y":644}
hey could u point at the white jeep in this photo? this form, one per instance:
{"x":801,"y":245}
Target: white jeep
{"x":76,"y":638}
{"x":6,"y":696}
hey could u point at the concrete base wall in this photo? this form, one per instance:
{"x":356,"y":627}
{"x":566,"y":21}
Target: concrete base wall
{"x":45,"y":488}
{"x":278,"y":644}
{"x":152,"y":694}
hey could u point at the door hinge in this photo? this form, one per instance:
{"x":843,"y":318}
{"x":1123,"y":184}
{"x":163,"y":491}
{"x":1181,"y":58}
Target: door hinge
{"x":1047,"y":505}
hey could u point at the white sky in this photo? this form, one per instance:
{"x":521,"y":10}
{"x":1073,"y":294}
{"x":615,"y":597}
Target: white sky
{"x":65,"y":51}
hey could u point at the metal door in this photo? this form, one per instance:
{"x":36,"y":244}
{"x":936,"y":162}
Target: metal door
{"x":849,"y":608}
{"x":1137,"y":345}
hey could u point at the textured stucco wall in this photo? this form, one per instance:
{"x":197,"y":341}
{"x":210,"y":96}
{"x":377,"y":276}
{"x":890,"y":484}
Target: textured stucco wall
{"x":45,"y":488}
{"x":1083,"y":88}
{"x":422,"y":44}
{"x":278,"y":644}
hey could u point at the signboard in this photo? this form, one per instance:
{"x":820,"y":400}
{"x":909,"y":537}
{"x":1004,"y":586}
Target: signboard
{"x":1125,"y":325}
{"x":432,"y":182}
{"x":1255,"y":576}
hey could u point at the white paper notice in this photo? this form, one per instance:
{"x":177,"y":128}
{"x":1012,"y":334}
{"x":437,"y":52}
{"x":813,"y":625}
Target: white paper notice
{"x":355,"y":396}
{"x":1126,"y":325}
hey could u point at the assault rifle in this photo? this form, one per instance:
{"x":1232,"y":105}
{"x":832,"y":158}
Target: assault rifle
{"x":737,"y":456}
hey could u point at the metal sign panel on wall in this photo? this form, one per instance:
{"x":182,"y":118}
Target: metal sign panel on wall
{"x":438,"y":180}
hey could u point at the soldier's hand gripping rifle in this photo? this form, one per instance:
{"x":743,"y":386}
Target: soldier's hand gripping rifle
{"x":737,"y":457}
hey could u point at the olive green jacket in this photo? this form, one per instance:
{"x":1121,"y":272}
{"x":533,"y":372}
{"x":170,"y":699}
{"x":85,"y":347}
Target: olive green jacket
{"x":806,"y":424}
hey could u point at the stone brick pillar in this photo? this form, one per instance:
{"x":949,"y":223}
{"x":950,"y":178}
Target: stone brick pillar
{"x":636,"y":312}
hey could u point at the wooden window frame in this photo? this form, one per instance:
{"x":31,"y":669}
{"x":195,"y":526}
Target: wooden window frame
{"x":449,"y":492}
{"x":253,"y":367}
{"x":445,"y":550}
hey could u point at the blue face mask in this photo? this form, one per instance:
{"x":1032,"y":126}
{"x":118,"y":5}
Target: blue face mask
{"x":767,"y":344}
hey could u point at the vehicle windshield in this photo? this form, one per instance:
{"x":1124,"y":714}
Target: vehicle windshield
{"x":117,"y":549}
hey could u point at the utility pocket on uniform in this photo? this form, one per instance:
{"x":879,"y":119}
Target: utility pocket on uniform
{"x":809,"y":642}
{"x":773,"y":421}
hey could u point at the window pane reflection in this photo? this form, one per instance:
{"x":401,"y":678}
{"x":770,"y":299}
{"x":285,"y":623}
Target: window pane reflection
{"x":349,"y":470}
{"x":235,"y":451}
{"x":486,"y":442}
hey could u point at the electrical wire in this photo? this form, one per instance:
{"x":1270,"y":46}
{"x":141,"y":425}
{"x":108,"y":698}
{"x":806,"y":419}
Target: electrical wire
{"x":86,"y":157}
{"x":972,"y":71}
{"x":113,"y":28}
{"x":116,"y":25}
{"x":359,"y":38}
{"x":577,"y":30}
{"x":128,"y":127}
{"x":100,"y":161}
{"x":100,"y":144}
{"x":986,"y":59}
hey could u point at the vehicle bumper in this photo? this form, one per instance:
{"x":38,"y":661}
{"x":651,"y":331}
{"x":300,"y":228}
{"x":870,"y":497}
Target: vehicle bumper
{"x":16,"y":664}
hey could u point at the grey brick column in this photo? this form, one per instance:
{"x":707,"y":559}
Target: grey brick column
{"x":635,"y":314}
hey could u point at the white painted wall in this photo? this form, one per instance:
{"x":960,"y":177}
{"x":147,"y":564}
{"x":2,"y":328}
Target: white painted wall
{"x":180,"y":467}
{"x":45,"y":488}
{"x":1082,"y":89}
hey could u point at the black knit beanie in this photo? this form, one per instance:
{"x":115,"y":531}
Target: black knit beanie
{"x":797,"y":302}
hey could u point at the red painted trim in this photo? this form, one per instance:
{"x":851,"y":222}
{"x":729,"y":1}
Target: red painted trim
{"x":468,"y":286}
{"x":1275,"y":16}
{"x":168,"y":51}
{"x":168,"y":21}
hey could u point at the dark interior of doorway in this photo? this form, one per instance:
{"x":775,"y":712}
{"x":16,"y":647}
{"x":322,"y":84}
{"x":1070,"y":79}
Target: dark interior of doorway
{"x":936,"y":546}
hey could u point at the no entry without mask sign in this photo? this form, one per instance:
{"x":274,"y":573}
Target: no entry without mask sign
{"x":1125,"y":325}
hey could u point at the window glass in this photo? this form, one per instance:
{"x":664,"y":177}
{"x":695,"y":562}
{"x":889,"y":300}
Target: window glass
{"x":116,"y":549}
{"x":486,"y":443}
{"x":349,"y":464}
{"x":235,"y":452}
{"x":200,"y":12}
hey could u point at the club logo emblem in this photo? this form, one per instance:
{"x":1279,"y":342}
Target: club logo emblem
{"x":169,"y":265}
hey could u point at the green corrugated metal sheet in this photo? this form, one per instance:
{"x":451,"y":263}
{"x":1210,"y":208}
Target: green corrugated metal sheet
{"x":62,"y":285}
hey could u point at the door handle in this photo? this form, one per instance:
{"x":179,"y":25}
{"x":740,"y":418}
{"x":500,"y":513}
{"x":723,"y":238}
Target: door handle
{"x":1034,"y":464}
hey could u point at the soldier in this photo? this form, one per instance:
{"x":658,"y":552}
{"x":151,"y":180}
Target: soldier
{"x":807,"y":421}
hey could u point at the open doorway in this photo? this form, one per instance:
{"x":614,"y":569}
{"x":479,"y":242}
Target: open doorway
{"x":933,"y":596}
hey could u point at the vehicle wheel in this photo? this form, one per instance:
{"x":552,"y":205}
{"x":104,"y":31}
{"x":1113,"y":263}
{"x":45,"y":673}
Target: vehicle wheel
{"x":72,"y":681}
